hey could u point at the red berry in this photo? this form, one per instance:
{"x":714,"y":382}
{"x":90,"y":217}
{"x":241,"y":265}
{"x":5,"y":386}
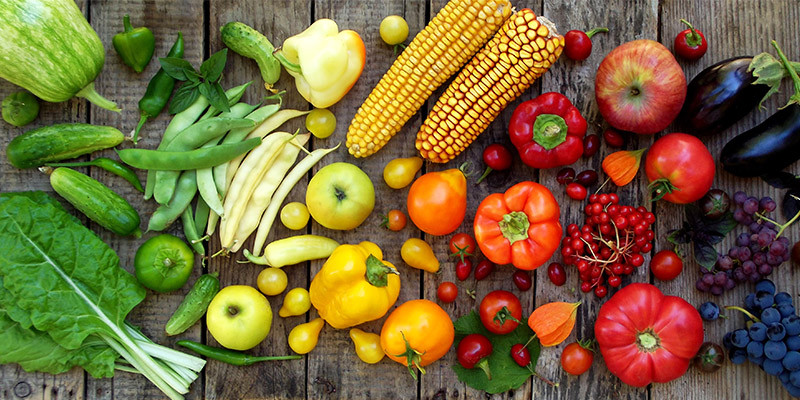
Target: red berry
{"x":604,"y":199}
{"x":593,"y":198}
{"x":647,"y":247}
{"x":614,"y":281}
{"x":463,"y":268}
{"x":556,"y":273}
{"x":483,"y":269}
{"x":522,"y":279}
{"x":586,"y":287}
{"x":637,"y":260}
{"x":591,"y":143}
{"x":617,"y":269}
{"x":613,"y":138}
{"x":576,"y":191}
{"x":573,"y":228}
{"x":614,"y":198}
{"x":600,"y":291}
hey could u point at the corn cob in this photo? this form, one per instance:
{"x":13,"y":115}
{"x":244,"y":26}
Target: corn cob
{"x":523,"y":50}
{"x":459,"y":30}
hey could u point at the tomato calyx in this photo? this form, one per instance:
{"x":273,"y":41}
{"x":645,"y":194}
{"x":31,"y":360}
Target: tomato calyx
{"x":413,"y":358}
{"x":514,"y":226}
{"x":587,"y":344}
{"x":660,"y":188}
{"x":377,"y":272}
{"x":648,"y":341}
{"x":461,"y":252}
{"x":503,"y":315}
{"x":549,"y":130}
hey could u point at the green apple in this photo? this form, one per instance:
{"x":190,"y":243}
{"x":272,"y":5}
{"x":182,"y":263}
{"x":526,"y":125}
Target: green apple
{"x":340,"y":196}
{"x":239,"y":317}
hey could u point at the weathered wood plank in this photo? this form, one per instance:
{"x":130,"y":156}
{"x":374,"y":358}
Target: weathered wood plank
{"x":283,"y":379}
{"x":732,"y":28}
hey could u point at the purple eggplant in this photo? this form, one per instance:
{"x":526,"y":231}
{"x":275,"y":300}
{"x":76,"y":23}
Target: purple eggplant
{"x":719,"y":96}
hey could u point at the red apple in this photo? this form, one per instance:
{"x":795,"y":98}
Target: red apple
{"x":640,"y":87}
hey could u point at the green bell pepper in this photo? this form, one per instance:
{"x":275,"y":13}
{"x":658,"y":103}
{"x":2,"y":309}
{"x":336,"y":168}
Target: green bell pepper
{"x":135,"y":46}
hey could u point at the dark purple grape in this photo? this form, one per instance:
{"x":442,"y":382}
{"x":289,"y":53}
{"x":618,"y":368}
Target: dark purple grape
{"x":744,"y":253}
{"x":701,"y":286}
{"x":759,"y":257}
{"x":724,"y":263}
{"x":748,"y":267}
{"x":774,"y":260}
{"x":743,"y":239}
{"x":766,"y":203}
{"x":750,"y":206}
{"x":765,"y":269}
{"x":754,"y":277}
{"x":720,"y":278}
{"x":755,"y":227}
{"x":739,"y":197}
{"x":739,"y":275}
{"x":730,"y":284}
{"x":777,"y":248}
{"x":733,"y":253}
{"x":717,"y":290}
{"x":739,"y":216}
{"x":708,"y":279}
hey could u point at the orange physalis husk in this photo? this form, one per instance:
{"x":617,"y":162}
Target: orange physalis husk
{"x":622,"y":166}
{"x":553,"y":322}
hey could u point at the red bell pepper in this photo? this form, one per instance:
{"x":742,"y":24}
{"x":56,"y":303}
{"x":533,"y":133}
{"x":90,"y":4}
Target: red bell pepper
{"x":645,"y":336}
{"x":519,"y":227}
{"x":547,"y":131}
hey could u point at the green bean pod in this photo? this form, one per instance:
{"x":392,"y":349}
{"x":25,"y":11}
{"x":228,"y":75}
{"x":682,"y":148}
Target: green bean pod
{"x":185,"y":160}
{"x":107,"y":164}
{"x":190,"y":231}
{"x":230,"y":356}
{"x":201,"y":213}
{"x":166,"y":214}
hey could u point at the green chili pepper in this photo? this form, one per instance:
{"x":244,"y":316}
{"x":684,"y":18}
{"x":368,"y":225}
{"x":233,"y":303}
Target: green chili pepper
{"x":184,"y":160}
{"x":113,"y":166}
{"x":230,"y":356}
{"x":158,"y":91}
{"x":134,"y":46}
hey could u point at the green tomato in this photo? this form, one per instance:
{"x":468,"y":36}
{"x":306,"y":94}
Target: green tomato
{"x":295,"y":215}
{"x":321,"y":122}
{"x":394,"y":30}
{"x":20,"y":108}
{"x":163,"y":263}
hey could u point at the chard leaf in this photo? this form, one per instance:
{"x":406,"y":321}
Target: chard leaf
{"x":66,"y":278}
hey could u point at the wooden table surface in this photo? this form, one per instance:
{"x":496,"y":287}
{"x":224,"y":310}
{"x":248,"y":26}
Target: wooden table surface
{"x":332,"y":370}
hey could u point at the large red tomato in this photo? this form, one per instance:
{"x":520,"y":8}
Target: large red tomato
{"x":645,"y":336}
{"x":680,"y":167}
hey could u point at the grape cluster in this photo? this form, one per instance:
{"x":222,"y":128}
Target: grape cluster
{"x":756,"y":252}
{"x":773,"y":341}
{"x":609,"y":244}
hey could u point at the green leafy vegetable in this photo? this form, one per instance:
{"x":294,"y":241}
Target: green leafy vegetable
{"x":205,"y":82}
{"x":703,"y":233}
{"x":62,"y":292}
{"x":506,"y":373}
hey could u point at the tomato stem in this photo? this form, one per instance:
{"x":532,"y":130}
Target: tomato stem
{"x":660,"y":188}
{"x":413,"y":358}
{"x":503,"y":315}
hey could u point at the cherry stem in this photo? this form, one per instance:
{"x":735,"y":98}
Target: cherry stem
{"x":596,"y":30}
{"x":545,"y":380}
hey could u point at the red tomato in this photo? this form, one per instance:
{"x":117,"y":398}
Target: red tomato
{"x":576,"y":359}
{"x":680,"y":168}
{"x":666,"y":265}
{"x":447,"y":292}
{"x":437,"y":201}
{"x":500,"y":311}
{"x":462,"y":245}
{"x":645,"y":336}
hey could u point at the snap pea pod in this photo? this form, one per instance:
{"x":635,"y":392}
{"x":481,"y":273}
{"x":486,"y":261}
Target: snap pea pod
{"x":185,"y":160}
{"x":230,"y":356}
{"x":192,"y":138}
{"x":190,"y":231}
{"x":233,"y":94}
{"x":113,"y":166}
{"x":166,"y":214}
{"x":201,"y":212}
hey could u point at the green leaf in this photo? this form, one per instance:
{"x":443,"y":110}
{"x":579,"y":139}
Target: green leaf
{"x":211,"y":69}
{"x":184,"y":97}
{"x":215,"y":95}
{"x":769,"y":71}
{"x":506,"y":373}
{"x":705,"y":254}
{"x":176,"y":67}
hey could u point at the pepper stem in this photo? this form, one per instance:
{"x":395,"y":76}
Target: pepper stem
{"x":596,"y":30}
{"x":95,"y":98}
{"x":377,"y":272}
{"x":126,"y":23}
{"x":549,"y":130}
{"x":290,"y":66}
{"x":693,"y":39}
{"x":514,"y":226}
{"x":795,"y":99}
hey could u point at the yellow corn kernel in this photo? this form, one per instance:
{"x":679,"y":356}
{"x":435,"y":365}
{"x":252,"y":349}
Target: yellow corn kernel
{"x":523,"y":50}
{"x":457,"y":32}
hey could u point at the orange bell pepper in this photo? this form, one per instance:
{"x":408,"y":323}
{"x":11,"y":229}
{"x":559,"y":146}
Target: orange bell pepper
{"x":519,"y":227}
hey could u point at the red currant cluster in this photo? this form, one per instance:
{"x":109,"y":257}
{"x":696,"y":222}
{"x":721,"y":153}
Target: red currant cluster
{"x":610,"y":244}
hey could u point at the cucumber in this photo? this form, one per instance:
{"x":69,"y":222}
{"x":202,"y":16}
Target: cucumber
{"x":59,"y":142}
{"x":95,"y":200}
{"x":250,"y":43}
{"x":194,"y":305}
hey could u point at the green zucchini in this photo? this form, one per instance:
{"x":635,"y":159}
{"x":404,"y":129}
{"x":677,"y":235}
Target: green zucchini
{"x":194,"y":305}
{"x":49,"y":49}
{"x":95,"y":200}
{"x":59,"y":142}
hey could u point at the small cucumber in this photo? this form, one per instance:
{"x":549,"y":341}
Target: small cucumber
{"x":95,"y":200}
{"x":250,"y":43}
{"x":59,"y":142}
{"x":194,"y":305}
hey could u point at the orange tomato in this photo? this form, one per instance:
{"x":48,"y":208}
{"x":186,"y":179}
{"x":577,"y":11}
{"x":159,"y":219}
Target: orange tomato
{"x":437,"y":201}
{"x":417,"y":333}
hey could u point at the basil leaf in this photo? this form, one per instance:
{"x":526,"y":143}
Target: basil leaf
{"x":680,"y":236}
{"x":176,"y":67}
{"x":193,"y":76}
{"x":212,"y":68}
{"x":791,"y":204}
{"x":215,"y":95}
{"x":782,"y":180}
{"x":705,"y":254}
{"x":184,"y":97}
{"x":719,"y":228}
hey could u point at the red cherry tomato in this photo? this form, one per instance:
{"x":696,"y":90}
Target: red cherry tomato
{"x":500,"y":311}
{"x":576,"y":359}
{"x":520,"y":355}
{"x":578,"y":45}
{"x":496,"y":157}
{"x":613,"y":138}
{"x":463,"y":269}
{"x":556,"y":273}
{"x":447,"y":292}
{"x":690,"y":43}
{"x":576,"y":191}
{"x":462,"y":245}
{"x":522,"y":279}
{"x":666,"y":265}
{"x":483,"y":269}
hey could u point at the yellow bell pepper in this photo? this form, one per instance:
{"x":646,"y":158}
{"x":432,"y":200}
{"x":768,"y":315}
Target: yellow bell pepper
{"x":325,"y":63}
{"x":355,"y":285}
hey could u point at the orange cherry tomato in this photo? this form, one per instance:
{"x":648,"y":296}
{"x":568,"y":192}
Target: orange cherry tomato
{"x":417,"y":333}
{"x":437,"y":201}
{"x":394,"y":220}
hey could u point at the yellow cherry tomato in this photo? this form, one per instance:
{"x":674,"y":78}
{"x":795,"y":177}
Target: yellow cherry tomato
{"x":296,"y":302}
{"x":419,"y":254}
{"x":321,"y":122}
{"x":272,"y":281}
{"x":399,"y":172}
{"x":295,"y":215}
{"x":304,"y":337}
{"x":368,"y":346}
{"x":394,"y":30}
